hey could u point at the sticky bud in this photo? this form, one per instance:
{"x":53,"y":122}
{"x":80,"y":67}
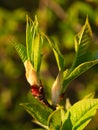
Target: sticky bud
{"x":31,"y":74}
{"x":56,"y":89}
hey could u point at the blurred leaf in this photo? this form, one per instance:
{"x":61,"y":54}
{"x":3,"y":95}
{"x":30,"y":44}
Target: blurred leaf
{"x":78,"y":71}
{"x":67,"y":104}
{"x":39,"y":112}
{"x":90,"y":95}
{"x":80,"y":114}
{"x":21,"y":51}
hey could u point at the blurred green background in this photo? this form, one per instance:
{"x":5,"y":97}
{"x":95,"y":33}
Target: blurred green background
{"x":60,"y":19}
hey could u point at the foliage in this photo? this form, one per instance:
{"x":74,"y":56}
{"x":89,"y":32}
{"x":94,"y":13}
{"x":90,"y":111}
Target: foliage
{"x":49,"y":116}
{"x":61,"y":20}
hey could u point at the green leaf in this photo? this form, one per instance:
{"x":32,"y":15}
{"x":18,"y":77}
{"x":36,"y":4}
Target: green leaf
{"x":55,"y":119}
{"x":81,"y":63}
{"x":34,"y":42}
{"x":38,"y":42}
{"x":31,"y":31}
{"x":78,"y":71}
{"x":90,"y":95}
{"x":59,"y":57}
{"x":80,"y":114}
{"x":21,"y":51}
{"x":82,"y":45}
{"x":29,"y":35}
{"x":38,"y":111}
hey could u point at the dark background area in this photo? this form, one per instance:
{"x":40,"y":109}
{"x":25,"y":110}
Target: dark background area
{"x":60,"y":19}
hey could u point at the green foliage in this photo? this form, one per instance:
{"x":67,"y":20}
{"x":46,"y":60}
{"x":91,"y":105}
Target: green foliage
{"x":80,"y":114}
{"x":61,"y":20}
{"x":81,"y":63}
{"x":54,"y":121}
{"x":82,"y":45}
{"x":38,"y":42}
{"x":78,"y":71}
{"x":58,"y":55}
{"x":77,"y":116}
{"x":56,"y":118}
{"x":34,"y":42}
{"x":21,"y":51}
{"x":38,"y":112}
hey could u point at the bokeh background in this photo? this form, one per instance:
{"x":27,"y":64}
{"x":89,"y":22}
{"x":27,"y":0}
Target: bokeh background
{"x":59,"y":19}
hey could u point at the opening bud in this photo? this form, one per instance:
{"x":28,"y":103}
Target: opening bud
{"x":31,"y":74}
{"x":56,"y":88}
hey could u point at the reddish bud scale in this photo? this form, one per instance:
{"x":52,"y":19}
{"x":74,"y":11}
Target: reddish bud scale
{"x":37,"y":91}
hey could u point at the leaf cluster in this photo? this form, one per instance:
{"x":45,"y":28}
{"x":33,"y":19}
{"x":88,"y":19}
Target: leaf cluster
{"x":77,"y":116}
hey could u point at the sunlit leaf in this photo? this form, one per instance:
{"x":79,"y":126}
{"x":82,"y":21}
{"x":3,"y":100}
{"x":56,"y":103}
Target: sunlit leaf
{"x":38,"y":42}
{"x":80,"y":114}
{"x":81,"y":62}
{"x":78,"y":71}
{"x":58,"y":56}
{"x":29,"y":35}
{"x":38,"y":111}
{"x":31,"y":31}
{"x":90,"y":95}
{"x":55,"y":119}
{"x":67,"y":104}
{"x":21,"y":51}
{"x":82,"y":45}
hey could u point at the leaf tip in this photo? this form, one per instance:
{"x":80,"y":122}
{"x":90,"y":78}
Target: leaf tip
{"x":88,"y":24}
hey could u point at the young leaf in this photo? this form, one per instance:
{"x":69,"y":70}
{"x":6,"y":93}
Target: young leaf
{"x":90,"y":95}
{"x":80,"y":114}
{"x":38,"y":42}
{"x":21,"y":51}
{"x":78,"y":71}
{"x":40,"y":124}
{"x":82,"y":44}
{"x":31,"y":31}
{"x":55,"y":119}
{"x":81,"y":63}
{"x":29,"y":35}
{"x":59,"y":57}
{"x":38,"y":111}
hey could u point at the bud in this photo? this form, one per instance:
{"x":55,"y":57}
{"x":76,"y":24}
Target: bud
{"x":56,"y":89}
{"x":31,"y":74}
